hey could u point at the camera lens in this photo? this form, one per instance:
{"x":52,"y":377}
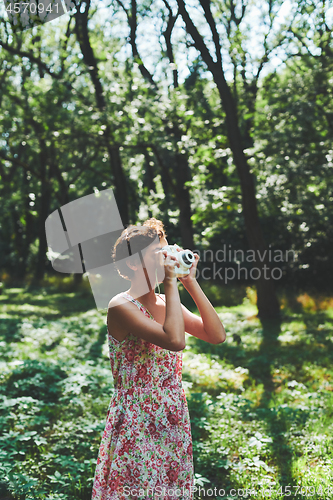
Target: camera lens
{"x":187,"y":257}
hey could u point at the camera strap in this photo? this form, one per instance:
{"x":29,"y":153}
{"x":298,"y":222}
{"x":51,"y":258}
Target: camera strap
{"x":157,"y":283}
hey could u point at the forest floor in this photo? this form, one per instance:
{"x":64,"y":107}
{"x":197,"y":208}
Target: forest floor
{"x":261,"y":403}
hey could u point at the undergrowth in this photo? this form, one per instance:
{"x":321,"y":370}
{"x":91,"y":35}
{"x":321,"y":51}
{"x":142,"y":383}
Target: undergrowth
{"x":261,"y":404}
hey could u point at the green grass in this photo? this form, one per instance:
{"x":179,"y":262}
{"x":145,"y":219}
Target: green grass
{"x":261,"y":404}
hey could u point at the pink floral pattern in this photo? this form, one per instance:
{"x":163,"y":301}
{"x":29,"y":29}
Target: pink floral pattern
{"x":146,"y":448}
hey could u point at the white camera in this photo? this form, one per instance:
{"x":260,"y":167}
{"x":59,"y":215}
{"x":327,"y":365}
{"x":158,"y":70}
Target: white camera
{"x":184,"y":257}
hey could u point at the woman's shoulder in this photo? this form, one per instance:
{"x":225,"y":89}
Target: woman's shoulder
{"x":113,"y":318}
{"x":126,"y":300}
{"x":118,"y":300}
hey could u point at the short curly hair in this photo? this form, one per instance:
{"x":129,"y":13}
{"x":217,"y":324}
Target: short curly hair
{"x":132,"y":240}
{"x":156,"y":224}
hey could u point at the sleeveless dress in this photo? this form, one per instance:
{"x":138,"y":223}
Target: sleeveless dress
{"x":146,"y":448}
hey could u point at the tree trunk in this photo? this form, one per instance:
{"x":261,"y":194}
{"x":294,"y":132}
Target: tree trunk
{"x":119,"y":178}
{"x":42,"y":248}
{"x":177,"y":184}
{"x":19,"y":270}
{"x":267,"y":303}
{"x":185,"y":221}
{"x":181,"y":170}
{"x":29,"y":224}
{"x":183,"y":174}
{"x":43,"y":212}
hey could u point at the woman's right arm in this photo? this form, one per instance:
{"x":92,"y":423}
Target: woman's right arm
{"x":174,"y":325}
{"x":170,"y":335}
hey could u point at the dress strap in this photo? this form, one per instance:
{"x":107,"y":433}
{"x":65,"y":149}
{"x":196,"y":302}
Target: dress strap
{"x":137,"y":302}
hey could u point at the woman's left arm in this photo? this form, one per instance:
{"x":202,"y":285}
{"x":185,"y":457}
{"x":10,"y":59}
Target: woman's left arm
{"x":209,"y":327}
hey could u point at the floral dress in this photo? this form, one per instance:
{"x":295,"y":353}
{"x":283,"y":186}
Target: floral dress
{"x":146,"y":448}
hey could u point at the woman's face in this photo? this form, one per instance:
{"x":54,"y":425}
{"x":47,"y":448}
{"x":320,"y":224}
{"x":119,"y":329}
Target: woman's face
{"x":163,"y":241}
{"x":154,"y":261}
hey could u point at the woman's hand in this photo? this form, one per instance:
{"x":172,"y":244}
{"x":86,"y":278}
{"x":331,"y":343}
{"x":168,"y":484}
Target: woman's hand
{"x":169,"y":266}
{"x":189,"y":278}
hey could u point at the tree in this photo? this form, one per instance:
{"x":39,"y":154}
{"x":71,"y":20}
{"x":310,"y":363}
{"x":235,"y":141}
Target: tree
{"x":267,"y":302}
{"x":294,"y":147}
{"x":174,"y":164}
{"x":89,"y":57}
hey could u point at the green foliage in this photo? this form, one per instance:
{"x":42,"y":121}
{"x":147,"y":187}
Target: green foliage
{"x":35,"y":379}
{"x":58,"y":144}
{"x":261,"y":410}
{"x":293,"y":160}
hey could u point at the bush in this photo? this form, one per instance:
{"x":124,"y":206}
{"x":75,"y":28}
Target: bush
{"x":36,"y":379}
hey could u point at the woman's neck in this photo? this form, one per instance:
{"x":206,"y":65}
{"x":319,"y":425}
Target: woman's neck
{"x":147,"y":298}
{"x":139,"y":285}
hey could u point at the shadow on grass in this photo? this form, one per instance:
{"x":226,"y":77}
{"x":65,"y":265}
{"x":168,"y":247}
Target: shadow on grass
{"x":45,"y":302}
{"x":10,"y":330}
{"x":277,"y":425}
{"x":315,"y":344}
{"x":95,"y":352}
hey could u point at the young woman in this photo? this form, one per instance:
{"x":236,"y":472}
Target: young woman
{"x":146,"y":448}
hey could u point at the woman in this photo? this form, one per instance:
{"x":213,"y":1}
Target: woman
{"x":146,"y":448}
